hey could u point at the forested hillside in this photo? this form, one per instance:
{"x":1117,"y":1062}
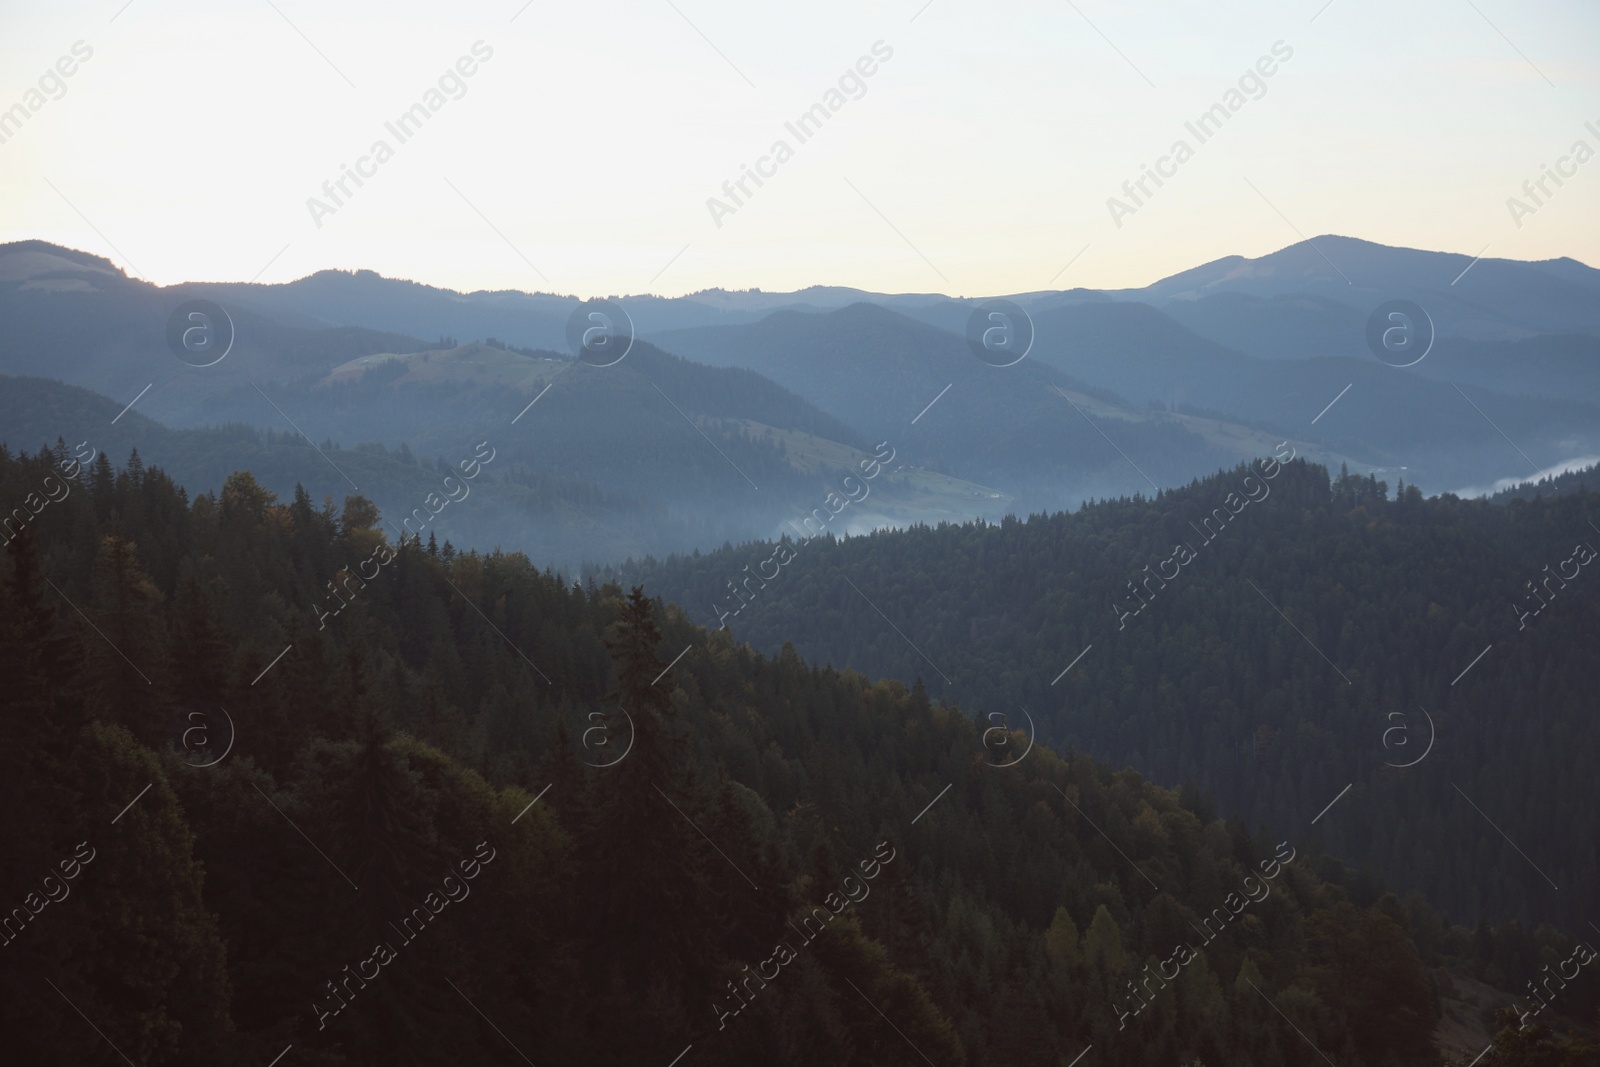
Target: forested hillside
{"x":275,"y":750}
{"x":570,"y":518}
{"x":1583,"y":479}
{"x":1269,"y":633}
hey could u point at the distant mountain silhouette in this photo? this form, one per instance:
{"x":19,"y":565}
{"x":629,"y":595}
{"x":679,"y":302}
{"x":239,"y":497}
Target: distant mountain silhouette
{"x":1171,"y":380}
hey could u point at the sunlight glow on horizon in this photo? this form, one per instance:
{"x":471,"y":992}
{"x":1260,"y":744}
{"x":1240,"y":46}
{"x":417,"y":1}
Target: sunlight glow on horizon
{"x":973,"y":151}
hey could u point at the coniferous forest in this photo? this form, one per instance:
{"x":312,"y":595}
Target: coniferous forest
{"x":481,"y":813}
{"x":1435,"y":654}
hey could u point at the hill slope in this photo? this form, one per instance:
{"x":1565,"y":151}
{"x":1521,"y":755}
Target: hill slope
{"x":422,"y":746}
{"x":1264,"y":657}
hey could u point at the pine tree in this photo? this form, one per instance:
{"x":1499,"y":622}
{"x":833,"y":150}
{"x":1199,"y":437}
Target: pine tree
{"x":125,"y":659}
{"x":37,"y":738}
{"x":151,"y":967}
{"x":103,"y":487}
{"x":1061,"y":940}
{"x":642,"y":866}
{"x":1102,"y":946}
{"x":196,"y":648}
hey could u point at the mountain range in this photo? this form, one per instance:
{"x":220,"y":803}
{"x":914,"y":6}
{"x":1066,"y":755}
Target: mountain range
{"x":701,"y":434}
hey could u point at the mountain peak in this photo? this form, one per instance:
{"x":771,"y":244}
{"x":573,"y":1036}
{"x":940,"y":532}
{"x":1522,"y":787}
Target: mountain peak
{"x":25,"y":260}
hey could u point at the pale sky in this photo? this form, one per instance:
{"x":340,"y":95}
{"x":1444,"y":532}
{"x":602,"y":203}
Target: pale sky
{"x":979,"y":159}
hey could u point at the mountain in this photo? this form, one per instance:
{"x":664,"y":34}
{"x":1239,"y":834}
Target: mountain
{"x":651,"y":455}
{"x":866,"y":362}
{"x":1414,"y":417}
{"x":569,"y":519}
{"x":1494,"y":299}
{"x":1282,"y":327}
{"x":754,"y":858}
{"x":1258,"y":632}
{"x":634,"y":474}
{"x":892,"y":377}
{"x":75,"y":318}
{"x":365,"y":299}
